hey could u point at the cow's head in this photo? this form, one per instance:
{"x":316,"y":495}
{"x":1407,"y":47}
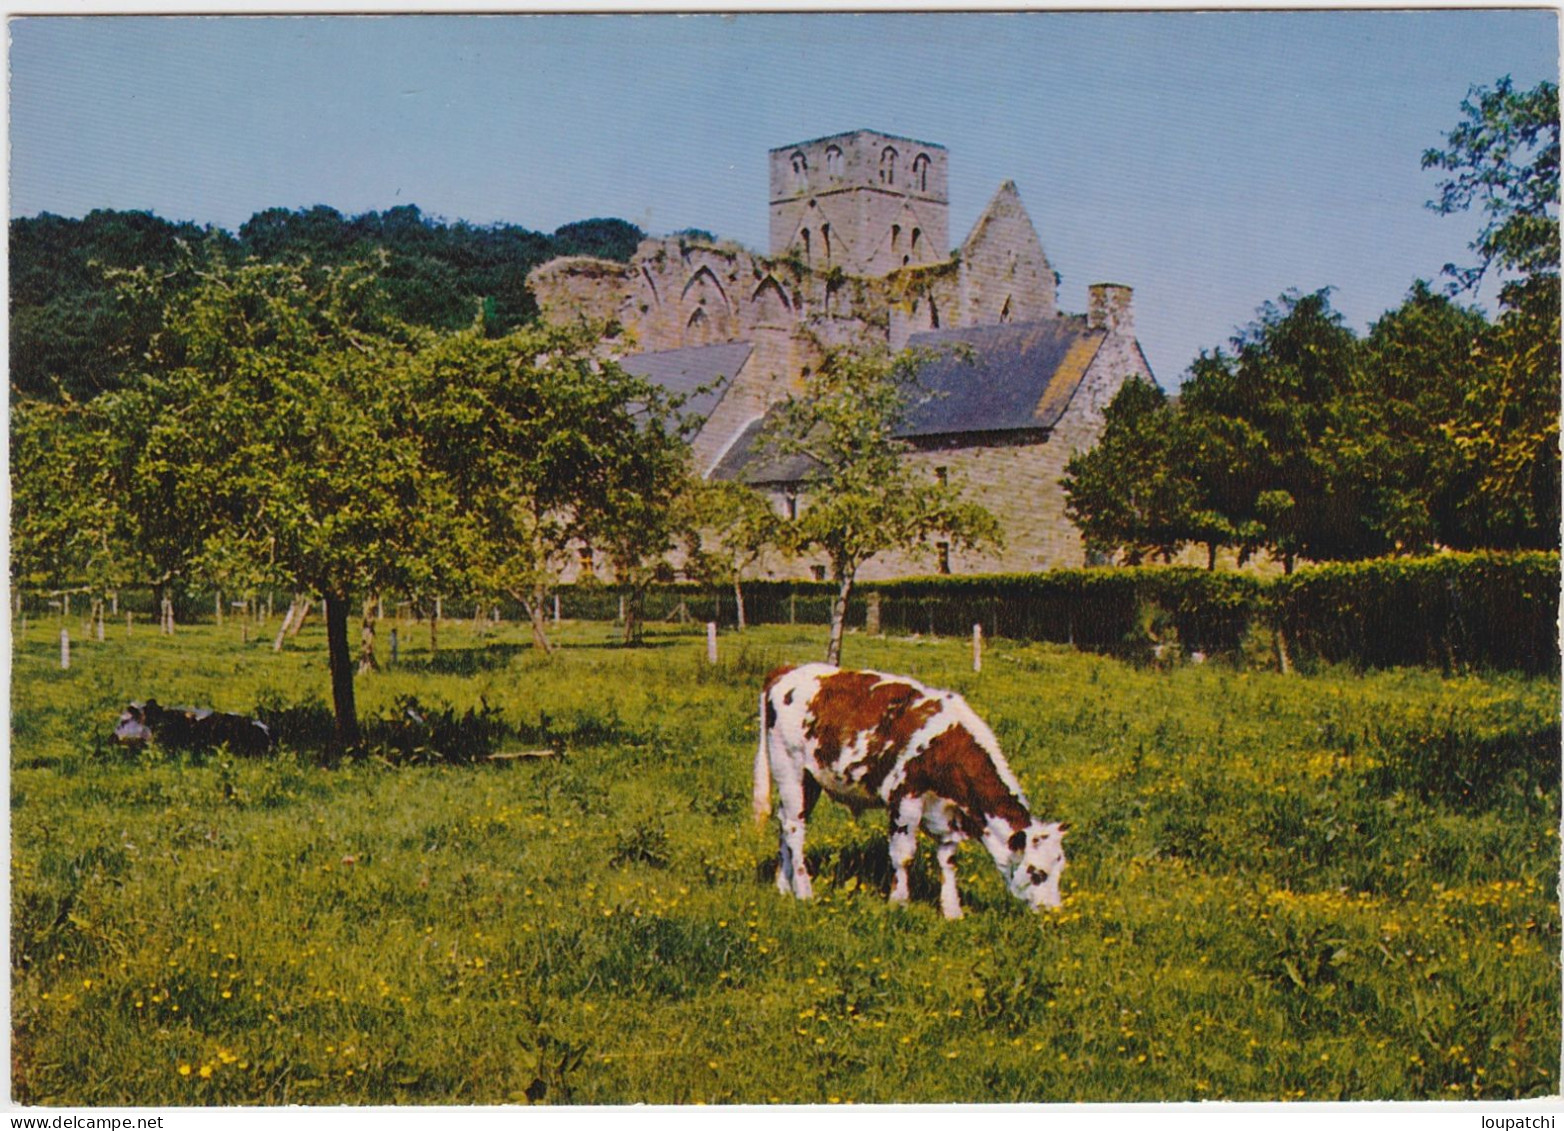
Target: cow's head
{"x":1038,"y":861}
{"x":132,"y":727}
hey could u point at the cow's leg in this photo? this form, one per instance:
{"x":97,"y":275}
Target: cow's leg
{"x":906,"y":815}
{"x":793,"y":804}
{"x":949,"y":899}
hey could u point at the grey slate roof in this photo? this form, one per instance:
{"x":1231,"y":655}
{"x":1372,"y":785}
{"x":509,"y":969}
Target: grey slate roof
{"x":746,"y":461}
{"x":1017,"y":377}
{"x":683,"y":371}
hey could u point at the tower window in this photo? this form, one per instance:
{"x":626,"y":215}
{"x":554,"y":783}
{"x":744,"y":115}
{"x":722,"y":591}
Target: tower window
{"x":895,"y":238}
{"x":920,"y":172}
{"x":917,"y":234}
{"x":825,"y":241}
{"x":888,"y":166}
{"x":833,"y":161}
{"x":800,"y":171}
{"x":804,"y":237}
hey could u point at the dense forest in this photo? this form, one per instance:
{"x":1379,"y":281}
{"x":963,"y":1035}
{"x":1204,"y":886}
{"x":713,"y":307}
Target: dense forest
{"x":74,"y":331}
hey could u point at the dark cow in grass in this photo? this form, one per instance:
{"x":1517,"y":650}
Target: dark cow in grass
{"x":884,"y":741}
{"x":189,"y":728}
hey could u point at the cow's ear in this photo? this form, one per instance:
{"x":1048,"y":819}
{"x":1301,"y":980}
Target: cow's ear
{"x":1064,"y":827}
{"x":1017,"y":840}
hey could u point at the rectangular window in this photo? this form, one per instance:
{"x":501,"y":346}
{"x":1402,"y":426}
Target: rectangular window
{"x":944,"y":557}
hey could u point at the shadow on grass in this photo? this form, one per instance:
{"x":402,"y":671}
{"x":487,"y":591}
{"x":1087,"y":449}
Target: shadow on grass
{"x":869,"y":863}
{"x":465,"y":661}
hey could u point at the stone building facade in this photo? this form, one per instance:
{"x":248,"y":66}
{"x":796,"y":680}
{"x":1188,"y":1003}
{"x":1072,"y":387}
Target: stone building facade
{"x":859,"y":228}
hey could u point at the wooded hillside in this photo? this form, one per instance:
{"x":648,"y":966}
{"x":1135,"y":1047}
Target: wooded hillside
{"x":70,"y":334}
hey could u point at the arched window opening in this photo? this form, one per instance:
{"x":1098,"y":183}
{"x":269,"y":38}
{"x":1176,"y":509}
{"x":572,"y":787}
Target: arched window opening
{"x":698,"y":330}
{"x":804,"y":238}
{"x":825,"y":241}
{"x":833,"y":161}
{"x":917,"y":234}
{"x":888,"y":166}
{"x":920,"y":172}
{"x":895,"y":238}
{"x":800,"y":170}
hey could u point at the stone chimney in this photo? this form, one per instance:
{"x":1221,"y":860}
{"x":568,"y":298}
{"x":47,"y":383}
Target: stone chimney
{"x":1110,"y":307}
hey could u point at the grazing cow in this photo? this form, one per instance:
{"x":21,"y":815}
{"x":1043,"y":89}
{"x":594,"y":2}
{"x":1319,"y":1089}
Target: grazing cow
{"x":189,"y":728}
{"x":872,"y":740}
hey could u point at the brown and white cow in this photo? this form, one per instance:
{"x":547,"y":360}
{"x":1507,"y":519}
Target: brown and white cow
{"x":872,"y":740}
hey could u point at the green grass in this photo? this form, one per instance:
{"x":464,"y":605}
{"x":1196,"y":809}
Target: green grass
{"x":1333,"y":887}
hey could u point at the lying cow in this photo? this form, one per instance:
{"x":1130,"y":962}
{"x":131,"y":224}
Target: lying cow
{"x":189,"y":728}
{"x":872,"y":740}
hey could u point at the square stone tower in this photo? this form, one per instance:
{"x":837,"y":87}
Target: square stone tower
{"x":865,"y":202}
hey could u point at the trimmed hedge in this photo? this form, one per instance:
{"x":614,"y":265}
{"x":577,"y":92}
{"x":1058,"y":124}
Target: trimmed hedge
{"x":1484,"y":610}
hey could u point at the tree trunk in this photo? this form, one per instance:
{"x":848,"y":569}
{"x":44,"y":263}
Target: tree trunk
{"x":738,"y":600}
{"x":534,"y":607}
{"x":287,"y":621}
{"x":366,"y":639}
{"x":844,"y":589}
{"x":1211,"y":556}
{"x":298,"y":621}
{"x":341,"y":658}
{"x":633,"y":600}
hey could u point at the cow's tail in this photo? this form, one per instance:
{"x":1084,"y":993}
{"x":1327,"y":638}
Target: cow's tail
{"x":762,"y":796}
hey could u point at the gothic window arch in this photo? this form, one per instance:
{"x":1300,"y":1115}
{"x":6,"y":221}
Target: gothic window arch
{"x":800,"y":170}
{"x":920,"y":172}
{"x":825,"y":241}
{"x":888,"y":165}
{"x":771,"y":303}
{"x":808,"y":250}
{"x":833,"y":161}
{"x":703,"y":279}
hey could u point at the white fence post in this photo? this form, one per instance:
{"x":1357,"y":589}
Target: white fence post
{"x":977,"y":647}
{"x":65,"y":649}
{"x":711,"y":642}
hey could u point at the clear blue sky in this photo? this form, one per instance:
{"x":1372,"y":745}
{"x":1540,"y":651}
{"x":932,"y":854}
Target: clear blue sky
{"x":1209,"y":160}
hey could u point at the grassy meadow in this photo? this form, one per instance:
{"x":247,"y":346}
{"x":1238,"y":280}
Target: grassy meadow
{"x":1327,"y":887}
